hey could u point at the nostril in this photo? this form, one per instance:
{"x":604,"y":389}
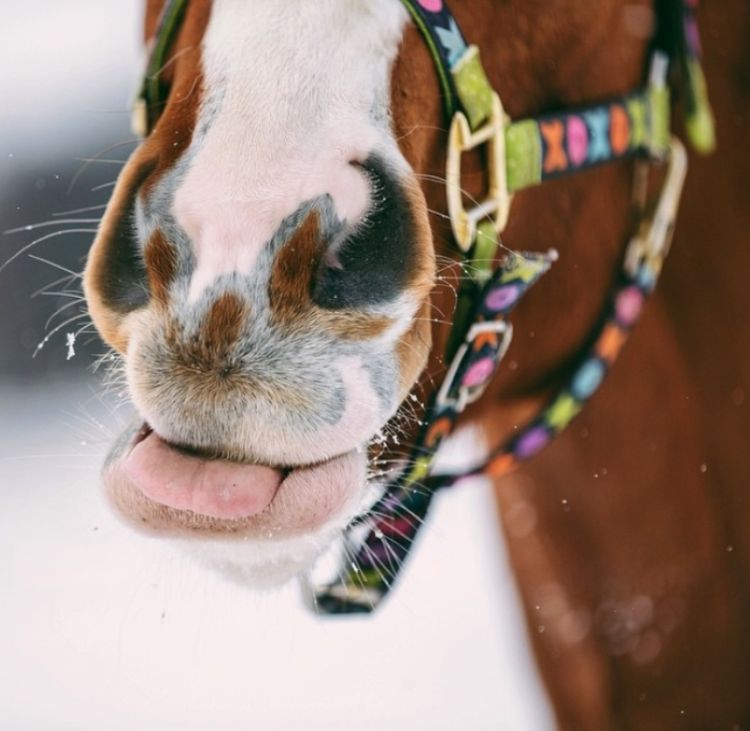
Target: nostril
{"x":118,"y":271}
{"x":372,"y":264}
{"x":123,"y":280}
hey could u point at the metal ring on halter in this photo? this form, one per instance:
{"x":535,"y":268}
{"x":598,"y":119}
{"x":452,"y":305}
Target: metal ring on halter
{"x":653,"y":239}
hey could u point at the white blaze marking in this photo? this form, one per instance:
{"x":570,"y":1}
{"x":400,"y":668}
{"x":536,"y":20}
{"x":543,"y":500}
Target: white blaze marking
{"x":302,"y":90}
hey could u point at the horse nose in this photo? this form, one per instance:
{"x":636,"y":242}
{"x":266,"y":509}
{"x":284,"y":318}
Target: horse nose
{"x":364,"y":239}
{"x":211,"y":347}
{"x":374,"y":261}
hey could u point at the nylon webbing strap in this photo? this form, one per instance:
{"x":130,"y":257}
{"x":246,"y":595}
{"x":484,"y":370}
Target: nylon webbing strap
{"x":544,"y":147}
{"x":699,"y":120}
{"x":552,"y":145}
{"x":446,"y":44}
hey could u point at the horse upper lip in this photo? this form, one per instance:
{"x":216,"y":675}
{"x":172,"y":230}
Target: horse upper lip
{"x":213,"y":454}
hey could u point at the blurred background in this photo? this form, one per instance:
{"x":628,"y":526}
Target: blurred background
{"x":103,"y":629}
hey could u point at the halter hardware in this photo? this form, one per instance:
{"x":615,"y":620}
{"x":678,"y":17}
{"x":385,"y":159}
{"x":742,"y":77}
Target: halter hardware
{"x":496,"y":206}
{"x":651,"y":244}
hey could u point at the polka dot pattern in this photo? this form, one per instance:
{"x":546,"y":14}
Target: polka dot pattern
{"x":587,"y":379}
{"x":531,"y":442}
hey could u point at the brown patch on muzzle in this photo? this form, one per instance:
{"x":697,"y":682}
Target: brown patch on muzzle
{"x":290,"y":289}
{"x":161,"y":264}
{"x":210,"y":349}
{"x":224,"y":322}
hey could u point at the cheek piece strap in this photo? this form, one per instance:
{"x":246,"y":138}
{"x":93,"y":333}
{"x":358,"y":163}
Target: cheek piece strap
{"x":519,"y":154}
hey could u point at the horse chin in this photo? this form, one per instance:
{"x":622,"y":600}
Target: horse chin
{"x":257,"y":563}
{"x":261,"y":547}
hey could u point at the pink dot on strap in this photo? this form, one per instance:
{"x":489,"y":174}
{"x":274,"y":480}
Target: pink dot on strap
{"x":434,"y":6}
{"x":628,"y":305}
{"x":578,"y":143}
{"x":478,"y":373}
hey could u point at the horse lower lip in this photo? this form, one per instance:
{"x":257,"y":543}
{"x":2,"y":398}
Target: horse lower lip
{"x":212,"y":487}
{"x":308,"y":499}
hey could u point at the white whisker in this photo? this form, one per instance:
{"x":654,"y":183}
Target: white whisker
{"x":59,"y":311}
{"x":64,"y":293}
{"x":81,"y":210}
{"x":52,"y":235}
{"x":56,"y":266}
{"x":101,"y":186}
{"x":104,"y":160}
{"x":45,"y":224}
{"x":65,"y":281}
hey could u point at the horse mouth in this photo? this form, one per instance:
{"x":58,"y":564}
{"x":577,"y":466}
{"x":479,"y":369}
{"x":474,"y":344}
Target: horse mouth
{"x":163,"y":489}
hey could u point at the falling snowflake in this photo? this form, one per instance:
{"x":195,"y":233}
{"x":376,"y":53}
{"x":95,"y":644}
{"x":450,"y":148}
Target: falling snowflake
{"x":70,"y":340}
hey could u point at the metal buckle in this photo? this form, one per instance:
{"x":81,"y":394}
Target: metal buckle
{"x":651,"y":244}
{"x":468,"y":395}
{"x":139,"y":117}
{"x":497,"y":204}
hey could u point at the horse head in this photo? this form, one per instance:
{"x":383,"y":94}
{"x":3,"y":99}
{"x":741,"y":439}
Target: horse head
{"x":266,"y":266}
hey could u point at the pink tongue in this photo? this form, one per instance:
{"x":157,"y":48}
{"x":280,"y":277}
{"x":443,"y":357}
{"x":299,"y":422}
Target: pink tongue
{"x":213,"y":487}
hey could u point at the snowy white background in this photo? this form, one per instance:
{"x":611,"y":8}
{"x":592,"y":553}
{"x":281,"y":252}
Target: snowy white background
{"x":102,"y":629}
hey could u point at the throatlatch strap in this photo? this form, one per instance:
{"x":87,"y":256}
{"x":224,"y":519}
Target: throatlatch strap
{"x":642,"y":265}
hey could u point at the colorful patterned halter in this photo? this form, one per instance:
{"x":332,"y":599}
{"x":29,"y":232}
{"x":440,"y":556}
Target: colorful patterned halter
{"x":523,"y":153}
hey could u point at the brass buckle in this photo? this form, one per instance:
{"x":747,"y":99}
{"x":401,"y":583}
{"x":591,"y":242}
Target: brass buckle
{"x":139,"y":117}
{"x":497,"y":203}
